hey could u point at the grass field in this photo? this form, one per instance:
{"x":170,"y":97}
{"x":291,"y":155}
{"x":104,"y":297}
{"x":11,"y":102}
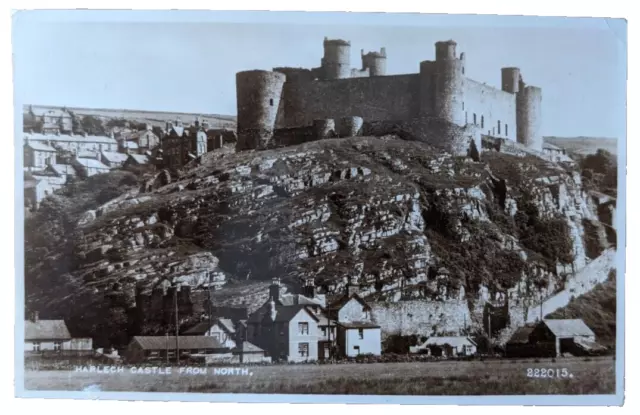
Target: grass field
{"x":495,"y":377}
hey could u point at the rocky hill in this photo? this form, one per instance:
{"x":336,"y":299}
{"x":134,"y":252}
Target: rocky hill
{"x":432,"y":239}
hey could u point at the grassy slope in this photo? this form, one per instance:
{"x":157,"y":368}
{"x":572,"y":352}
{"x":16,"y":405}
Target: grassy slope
{"x":598,"y":310}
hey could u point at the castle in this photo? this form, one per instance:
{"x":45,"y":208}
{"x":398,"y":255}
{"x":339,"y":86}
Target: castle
{"x":297,"y":98}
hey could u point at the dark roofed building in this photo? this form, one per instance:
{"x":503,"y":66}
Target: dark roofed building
{"x":556,"y":337}
{"x":47,"y":337}
{"x":145,"y":348}
{"x":221,"y":329}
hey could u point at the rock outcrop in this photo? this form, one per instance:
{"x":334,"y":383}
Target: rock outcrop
{"x":381,"y":210}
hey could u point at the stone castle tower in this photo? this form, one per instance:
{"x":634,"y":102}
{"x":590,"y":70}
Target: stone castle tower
{"x":258,"y":99}
{"x":528,"y":107}
{"x":441,"y":91}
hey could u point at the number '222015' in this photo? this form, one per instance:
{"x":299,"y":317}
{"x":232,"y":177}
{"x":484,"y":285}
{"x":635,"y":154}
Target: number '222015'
{"x":548,"y":373}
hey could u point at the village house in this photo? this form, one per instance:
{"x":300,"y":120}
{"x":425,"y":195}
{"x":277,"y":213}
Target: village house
{"x":221,"y":329}
{"x":447,"y":346}
{"x":285,"y":332}
{"x":519,"y":345}
{"x":356,"y":332}
{"x":48,"y":121}
{"x":87,"y":166}
{"x":150,"y":348}
{"x":137,"y":160}
{"x":128,"y":147}
{"x":64,"y":172}
{"x":37,"y":155}
{"x":74,"y":143}
{"x":35,"y":190}
{"x":113,"y":159}
{"x":555,"y":153}
{"x":52,"y":338}
{"x":567,"y":336}
{"x":181,"y":145}
{"x":144,"y":139}
{"x":553,"y":338}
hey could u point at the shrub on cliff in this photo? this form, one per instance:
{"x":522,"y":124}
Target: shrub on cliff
{"x":600,"y":171}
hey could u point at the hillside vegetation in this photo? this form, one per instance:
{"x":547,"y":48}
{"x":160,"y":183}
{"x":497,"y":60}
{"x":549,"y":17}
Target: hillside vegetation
{"x":598,"y":310}
{"x":386,"y":211}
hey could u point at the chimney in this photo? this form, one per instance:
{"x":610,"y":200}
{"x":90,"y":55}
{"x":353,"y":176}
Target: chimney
{"x":352,"y":287}
{"x":383,"y":52}
{"x":272,"y":310}
{"x":274,"y":290}
{"x":309,"y":289}
{"x":35,"y":316}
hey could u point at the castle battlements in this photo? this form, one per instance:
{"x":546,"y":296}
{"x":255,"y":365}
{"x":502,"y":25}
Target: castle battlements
{"x":289,"y":98}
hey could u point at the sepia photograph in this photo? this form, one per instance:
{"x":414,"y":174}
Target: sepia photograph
{"x":234,"y":206}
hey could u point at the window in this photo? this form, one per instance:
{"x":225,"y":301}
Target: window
{"x":466,"y":118}
{"x":463,"y":106}
{"x":36,"y":346}
{"x":357,"y":349}
{"x":506,"y":129}
{"x":361,"y":334}
{"x":303,"y":349}
{"x":324,"y":331}
{"x":57,"y":346}
{"x":271,"y":102}
{"x":482,"y":121}
{"x":498,"y":126}
{"x":475,"y":120}
{"x":303,"y":328}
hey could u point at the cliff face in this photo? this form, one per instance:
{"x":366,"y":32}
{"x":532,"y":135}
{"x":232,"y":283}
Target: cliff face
{"x":431,"y":238}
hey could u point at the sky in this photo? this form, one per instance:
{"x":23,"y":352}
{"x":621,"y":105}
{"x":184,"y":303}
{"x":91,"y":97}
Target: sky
{"x":164,"y":63}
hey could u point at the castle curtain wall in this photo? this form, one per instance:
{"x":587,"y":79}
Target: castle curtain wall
{"x":393,"y":97}
{"x":493,"y":105}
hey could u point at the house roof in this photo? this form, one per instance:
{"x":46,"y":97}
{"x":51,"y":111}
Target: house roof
{"x":521,"y":335}
{"x":100,"y":139}
{"x":87,"y":154}
{"x":140,"y":158}
{"x":184,"y":342}
{"x":248,"y":348}
{"x":284,"y":313}
{"x":178,"y":130}
{"x":298,"y":299}
{"x":40,"y":146}
{"x":338,"y":304}
{"x":114,"y":157}
{"x":46,"y":330}
{"x":551,"y":146}
{"x":568,"y":328}
{"x":454,"y":341}
{"x":130,"y":144}
{"x":359,"y":325}
{"x":61,"y":169}
{"x":204,"y":326}
{"x":91,"y":163}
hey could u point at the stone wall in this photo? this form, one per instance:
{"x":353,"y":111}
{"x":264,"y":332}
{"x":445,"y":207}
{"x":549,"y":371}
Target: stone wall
{"x":491,"y":107}
{"x":374,"y":98}
{"x":438,"y":133}
{"x":421,"y":317}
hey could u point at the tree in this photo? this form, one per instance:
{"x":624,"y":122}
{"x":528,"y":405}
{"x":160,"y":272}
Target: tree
{"x":92,"y":125}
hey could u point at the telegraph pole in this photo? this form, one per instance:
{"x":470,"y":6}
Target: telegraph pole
{"x":175,"y":296}
{"x":167,"y":347}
